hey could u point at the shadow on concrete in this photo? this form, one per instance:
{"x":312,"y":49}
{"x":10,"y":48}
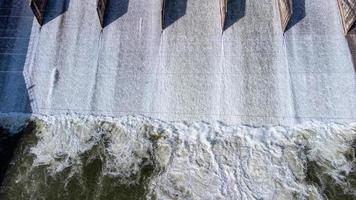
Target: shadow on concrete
{"x":236,"y":10}
{"x":173,"y":10}
{"x":15,"y":31}
{"x":16,"y":21}
{"x":54,"y":9}
{"x":351,"y":40}
{"x":11,"y":4}
{"x":298,"y":13}
{"x":114,"y":10}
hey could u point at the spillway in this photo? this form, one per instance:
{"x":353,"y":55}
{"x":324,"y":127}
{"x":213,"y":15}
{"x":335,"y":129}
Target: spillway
{"x":178,"y":99}
{"x":251,"y":72}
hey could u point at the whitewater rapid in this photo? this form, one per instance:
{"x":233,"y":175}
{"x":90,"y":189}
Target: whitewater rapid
{"x":137,"y":158}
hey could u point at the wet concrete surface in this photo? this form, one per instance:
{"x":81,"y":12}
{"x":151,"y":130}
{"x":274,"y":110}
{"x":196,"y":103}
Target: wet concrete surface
{"x":250,"y":73}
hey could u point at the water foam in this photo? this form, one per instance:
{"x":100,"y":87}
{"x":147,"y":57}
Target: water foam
{"x":199,"y":160}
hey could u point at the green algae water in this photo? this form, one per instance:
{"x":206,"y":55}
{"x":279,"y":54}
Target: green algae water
{"x":140,"y":158}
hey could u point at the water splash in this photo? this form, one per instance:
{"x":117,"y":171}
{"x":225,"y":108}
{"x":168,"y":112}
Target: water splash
{"x":137,"y":157}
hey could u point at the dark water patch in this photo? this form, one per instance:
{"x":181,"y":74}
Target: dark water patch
{"x":106,"y":186}
{"x":331,"y":188}
{"x":8,"y":144}
{"x":25,"y":139}
{"x":7,"y":147}
{"x":114,"y":189}
{"x":86,"y":179}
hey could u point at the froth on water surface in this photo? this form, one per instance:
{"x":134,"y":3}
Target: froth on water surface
{"x":140,"y":158}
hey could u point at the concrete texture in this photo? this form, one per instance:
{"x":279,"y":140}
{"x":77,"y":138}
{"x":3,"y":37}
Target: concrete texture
{"x":251,"y":73}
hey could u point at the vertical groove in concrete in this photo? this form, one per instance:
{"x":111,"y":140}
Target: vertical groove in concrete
{"x":163,"y":8}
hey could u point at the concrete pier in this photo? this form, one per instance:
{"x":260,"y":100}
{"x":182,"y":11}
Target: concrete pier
{"x":38,"y":8}
{"x":101,"y":7}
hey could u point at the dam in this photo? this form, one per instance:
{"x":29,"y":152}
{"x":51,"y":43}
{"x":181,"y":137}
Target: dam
{"x":186,"y":67}
{"x":177,"y":99}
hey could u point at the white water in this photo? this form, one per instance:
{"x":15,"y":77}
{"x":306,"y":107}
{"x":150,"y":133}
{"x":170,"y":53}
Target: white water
{"x":199,"y":160}
{"x":251,"y":73}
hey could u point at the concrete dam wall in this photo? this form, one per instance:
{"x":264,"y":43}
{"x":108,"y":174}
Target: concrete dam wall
{"x":204,"y":99}
{"x":186,"y":67}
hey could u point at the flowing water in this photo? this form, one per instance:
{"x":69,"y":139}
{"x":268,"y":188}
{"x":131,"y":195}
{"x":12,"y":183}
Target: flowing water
{"x":191,"y":69}
{"x":77,"y":157}
{"x":190,"y":111}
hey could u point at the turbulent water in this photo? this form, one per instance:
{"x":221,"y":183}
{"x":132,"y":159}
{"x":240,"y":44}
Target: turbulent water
{"x":76,"y":157}
{"x":187,"y":68}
